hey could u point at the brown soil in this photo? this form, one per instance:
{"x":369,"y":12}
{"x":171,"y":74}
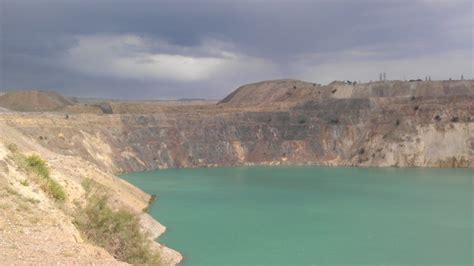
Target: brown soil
{"x":34,"y":101}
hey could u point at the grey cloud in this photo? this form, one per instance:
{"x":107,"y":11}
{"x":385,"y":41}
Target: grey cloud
{"x":36,"y":34}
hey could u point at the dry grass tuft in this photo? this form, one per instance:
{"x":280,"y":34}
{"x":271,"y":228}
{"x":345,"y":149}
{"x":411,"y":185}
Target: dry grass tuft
{"x":117,"y":231}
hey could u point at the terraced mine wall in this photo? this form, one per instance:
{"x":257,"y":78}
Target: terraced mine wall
{"x":423,"y":124}
{"x":432,"y":130}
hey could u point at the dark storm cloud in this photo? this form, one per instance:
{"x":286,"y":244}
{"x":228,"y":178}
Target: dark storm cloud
{"x":279,"y":38}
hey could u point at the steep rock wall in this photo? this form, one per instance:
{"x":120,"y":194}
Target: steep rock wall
{"x":400,"y":131}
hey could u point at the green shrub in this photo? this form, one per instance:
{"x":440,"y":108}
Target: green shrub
{"x":92,"y":187}
{"x":55,"y":190}
{"x":37,"y":165}
{"x":118,"y":232}
{"x":88,"y":184}
{"x":39,"y":168}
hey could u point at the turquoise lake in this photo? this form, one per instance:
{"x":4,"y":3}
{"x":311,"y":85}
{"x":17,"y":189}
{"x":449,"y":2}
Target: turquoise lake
{"x":314,"y":215}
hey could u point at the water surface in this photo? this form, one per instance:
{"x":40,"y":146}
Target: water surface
{"x":314,"y":215}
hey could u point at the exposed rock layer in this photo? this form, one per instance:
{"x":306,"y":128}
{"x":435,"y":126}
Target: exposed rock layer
{"x":427,"y":124}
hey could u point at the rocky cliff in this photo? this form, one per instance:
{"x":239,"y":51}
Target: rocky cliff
{"x":426,"y":124}
{"x":423,"y":124}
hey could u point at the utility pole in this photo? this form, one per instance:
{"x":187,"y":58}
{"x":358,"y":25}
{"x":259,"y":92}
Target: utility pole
{"x":462,"y":77}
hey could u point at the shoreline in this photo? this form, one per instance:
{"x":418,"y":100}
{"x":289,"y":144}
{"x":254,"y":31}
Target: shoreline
{"x":309,"y":164}
{"x":69,"y":171}
{"x":177,"y":207}
{"x":270,"y":124}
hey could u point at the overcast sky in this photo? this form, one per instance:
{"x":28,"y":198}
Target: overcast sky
{"x":205,"y":49}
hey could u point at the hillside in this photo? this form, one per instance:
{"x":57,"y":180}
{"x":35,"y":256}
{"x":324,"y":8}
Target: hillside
{"x":425,"y":124}
{"x":268,"y":93}
{"x":379,"y":124}
{"x":34,"y":101}
{"x":286,"y":93}
{"x":36,"y":228}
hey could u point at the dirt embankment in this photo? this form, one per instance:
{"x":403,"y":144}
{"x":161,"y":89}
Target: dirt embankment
{"x":35,"y":229}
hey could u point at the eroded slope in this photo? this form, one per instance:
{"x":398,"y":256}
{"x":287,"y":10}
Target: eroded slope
{"x":37,"y":229}
{"x":427,"y":124}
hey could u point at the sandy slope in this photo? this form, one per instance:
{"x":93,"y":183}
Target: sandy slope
{"x":34,"y":229}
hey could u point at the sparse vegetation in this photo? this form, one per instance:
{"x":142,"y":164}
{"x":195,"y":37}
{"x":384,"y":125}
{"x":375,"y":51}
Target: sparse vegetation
{"x":12,"y":147}
{"x":32,"y":200}
{"x":11,"y":191}
{"x":88,"y":184}
{"x":22,"y":206}
{"x":39,"y":171}
{"x":117,"y":231}
{"x":8,"y":191}
{"x":38,"y":167}
{"x":302,"y":120}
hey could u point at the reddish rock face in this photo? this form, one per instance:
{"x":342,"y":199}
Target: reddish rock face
{"x":376,"y":124}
